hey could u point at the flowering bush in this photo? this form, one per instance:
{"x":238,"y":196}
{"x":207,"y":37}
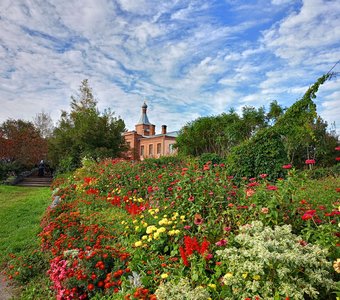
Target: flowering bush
{"x":271,"y":263}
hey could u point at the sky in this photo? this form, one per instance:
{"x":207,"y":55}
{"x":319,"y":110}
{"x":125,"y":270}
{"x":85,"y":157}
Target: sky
{"x":185,"y":58}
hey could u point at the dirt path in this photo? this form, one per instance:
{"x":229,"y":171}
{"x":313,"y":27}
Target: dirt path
{"x":5,"y":290}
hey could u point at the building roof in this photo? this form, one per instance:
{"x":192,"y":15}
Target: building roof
{"x":170,"y":134}
{"x":144,"y":118}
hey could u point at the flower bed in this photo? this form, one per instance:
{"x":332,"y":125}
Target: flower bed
{"x":126,"y":230}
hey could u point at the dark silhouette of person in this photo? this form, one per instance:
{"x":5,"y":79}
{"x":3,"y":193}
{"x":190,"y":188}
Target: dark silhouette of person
{"x":41,"y":168}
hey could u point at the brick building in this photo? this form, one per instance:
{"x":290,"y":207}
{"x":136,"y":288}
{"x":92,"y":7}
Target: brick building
{"x":145,"y":143}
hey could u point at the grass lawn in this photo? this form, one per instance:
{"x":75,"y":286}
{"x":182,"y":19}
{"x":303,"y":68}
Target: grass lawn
{"x":21,"y":210}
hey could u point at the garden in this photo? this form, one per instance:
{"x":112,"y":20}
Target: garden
{"x":175,"y":228}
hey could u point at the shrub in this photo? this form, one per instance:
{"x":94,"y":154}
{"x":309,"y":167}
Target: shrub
{"x":264,"y":153}
{"x":274,"y":262}
{"x":212,"y":157}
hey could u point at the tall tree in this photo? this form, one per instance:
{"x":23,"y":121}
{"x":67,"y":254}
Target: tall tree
{"x":297,"y":124}
{"x":86,"y":132}
{"x":43,"y":122}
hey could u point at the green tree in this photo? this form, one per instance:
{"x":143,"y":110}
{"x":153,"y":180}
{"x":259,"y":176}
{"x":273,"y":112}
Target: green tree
{"x":86,"y":132}
{"x":297,"y":125}
{"x":218,"y":134}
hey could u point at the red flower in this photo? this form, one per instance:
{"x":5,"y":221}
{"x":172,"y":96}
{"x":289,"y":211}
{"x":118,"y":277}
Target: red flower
{"x":184,"y":257}
{"x":337,"y":158}
{"x":337,"y":148}
{"x":289,"y":166}
{"x":191,"y":198}
{"x":310,"y":161}
{"x":272,"y":187}
{"x":306,"y":216}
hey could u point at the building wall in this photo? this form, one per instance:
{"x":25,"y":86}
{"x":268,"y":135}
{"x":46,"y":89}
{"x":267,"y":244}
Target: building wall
{"x":157,"y":151}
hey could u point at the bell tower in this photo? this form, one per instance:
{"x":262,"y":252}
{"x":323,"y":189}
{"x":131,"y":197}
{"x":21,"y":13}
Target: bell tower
{"x":144,"y":127}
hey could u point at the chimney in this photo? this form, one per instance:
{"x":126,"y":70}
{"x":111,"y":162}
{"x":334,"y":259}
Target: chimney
{"x":163,"y":129}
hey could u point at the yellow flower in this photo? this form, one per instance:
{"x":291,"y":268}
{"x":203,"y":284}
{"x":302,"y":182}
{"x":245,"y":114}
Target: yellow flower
{"x":150,"y":229}
{"x":144,"y":237}
{"x":164,"y":221}
{"x":156,"y":235}
{"x":228,"y":275}
{"x":212,"y":285}
{"x":138,"y":244}
{"x":244,"y":275}
{"x":256,"y":277}
{"x":161,"y":229}
{"x":134,"y":221}
{"x":164,"y":275}
{"x":336,"y":265}
{"x":136,"y":228}
{"x":157,"y":210}
{"x":182,"y":218}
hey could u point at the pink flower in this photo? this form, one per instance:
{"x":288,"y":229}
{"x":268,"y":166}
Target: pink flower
{"x":263,"y":176}
{"x":187,"y":227}
{"x":221,"y":243}
{"x":227,"y":229}
{"x":289,"y":166}
{"x":272,"y":187}
{"x":310,"y":161}
{"x":264,"y":210}
{"x":250,"y":192}
{"x":191,"y":198}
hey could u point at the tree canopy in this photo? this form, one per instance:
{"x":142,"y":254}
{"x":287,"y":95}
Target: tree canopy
{"x":86,"y":132}
{"x":258,"y":142}
{"x":21,"y":141}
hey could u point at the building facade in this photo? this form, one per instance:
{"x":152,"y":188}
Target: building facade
{"x":144,"y":143}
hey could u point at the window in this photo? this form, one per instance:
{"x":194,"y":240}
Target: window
{"x":171,"y":148}
{"x":159,"y":147}
{"x":150,"y":150}
{"x":142,"y":150}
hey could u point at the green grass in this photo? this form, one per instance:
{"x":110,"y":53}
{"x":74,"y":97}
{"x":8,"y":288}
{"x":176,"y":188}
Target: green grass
{"x":21,"y":210}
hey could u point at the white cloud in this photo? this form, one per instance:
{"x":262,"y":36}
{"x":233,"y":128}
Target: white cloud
{"x":307,"y":34}
{"x":187,"y":58}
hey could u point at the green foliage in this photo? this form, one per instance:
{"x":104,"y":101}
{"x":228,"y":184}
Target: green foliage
{"x":318,"y":173}
{"x":9,"y":169}
{"x":218,"y":134}
{"x":86,"y":132}
{"x":296,"y":125}
{"x":264,"y":153}
{"x":163,"y":161}
{"x":210,"y":157}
